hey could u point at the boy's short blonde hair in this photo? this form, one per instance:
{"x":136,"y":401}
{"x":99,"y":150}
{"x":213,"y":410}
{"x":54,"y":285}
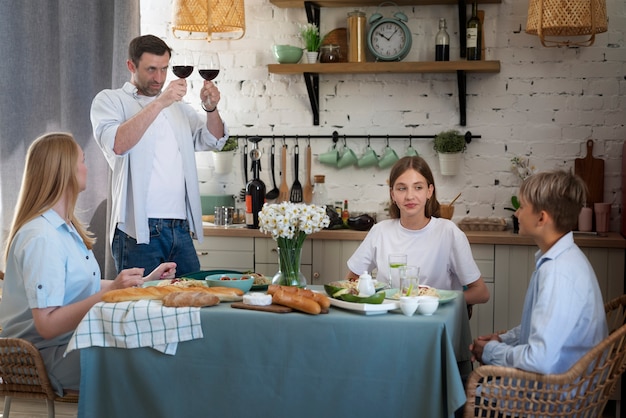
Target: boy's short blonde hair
{"x":560,"y":193}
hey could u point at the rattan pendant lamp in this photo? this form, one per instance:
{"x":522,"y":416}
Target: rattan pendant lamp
{"x":208,"y":19}
{"x":566,"y":18}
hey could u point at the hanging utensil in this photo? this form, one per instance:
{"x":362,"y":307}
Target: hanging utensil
{"x":308,"y":186}
{"x":272,"y":194}
{"x":242,"y":192}
{"x":283,"y":195}
{"x":454,"y":200}
{"x":296,"y":187}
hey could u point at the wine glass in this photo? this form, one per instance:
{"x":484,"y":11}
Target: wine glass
{"x":209,"y":68}
{"x":182,"y":63}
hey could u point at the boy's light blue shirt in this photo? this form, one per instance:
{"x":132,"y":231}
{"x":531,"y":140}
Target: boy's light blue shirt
{"x":563,"y":314}
{"x":48,"y":265}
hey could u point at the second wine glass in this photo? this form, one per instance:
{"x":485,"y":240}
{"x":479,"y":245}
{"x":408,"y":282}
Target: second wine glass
{"x":209,"y":68}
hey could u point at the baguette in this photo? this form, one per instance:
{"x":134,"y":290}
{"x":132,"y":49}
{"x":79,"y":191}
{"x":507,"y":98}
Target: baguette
{"x":195,"y":299}
{"x":226,"y":294}
{"x":138,"y":293}
{"x":320,"y":298}
{"x":295,"y":301}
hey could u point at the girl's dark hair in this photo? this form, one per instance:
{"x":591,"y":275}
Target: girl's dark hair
{"x":421,"y":166}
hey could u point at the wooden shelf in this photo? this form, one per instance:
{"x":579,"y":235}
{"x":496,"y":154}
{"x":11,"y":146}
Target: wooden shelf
{"x":363,"y":3}
{"x":311,"y":72}
{"x":388,"y":67}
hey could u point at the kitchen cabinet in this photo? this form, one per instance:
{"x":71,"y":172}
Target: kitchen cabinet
{"x":311,"y":72}
{"x":481,"y":322}
{"x":226,"y":253}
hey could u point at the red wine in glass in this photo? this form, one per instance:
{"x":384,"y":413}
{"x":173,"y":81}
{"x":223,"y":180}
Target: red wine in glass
{"x":182,"y":71}
{"x":209,"y":74}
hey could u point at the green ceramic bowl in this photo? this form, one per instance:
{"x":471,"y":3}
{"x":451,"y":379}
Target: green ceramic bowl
{"x":287,"y":54}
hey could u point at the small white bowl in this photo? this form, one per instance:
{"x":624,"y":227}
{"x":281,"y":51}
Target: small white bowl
{"x":408,"y":305}
{"x":427,"y":305}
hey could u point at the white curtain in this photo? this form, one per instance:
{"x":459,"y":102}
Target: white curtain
{"x":55,"y":56}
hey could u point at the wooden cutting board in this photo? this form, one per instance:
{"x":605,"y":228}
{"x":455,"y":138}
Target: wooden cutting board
{"x":591,"y":170}
{"x":269,"y":308}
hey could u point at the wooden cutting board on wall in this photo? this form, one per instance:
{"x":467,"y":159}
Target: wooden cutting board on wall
{"x":591,"y":170}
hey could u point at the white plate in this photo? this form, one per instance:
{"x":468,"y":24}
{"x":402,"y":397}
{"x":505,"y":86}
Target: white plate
{"x":365,"y":308}
{"x":445,"y":296}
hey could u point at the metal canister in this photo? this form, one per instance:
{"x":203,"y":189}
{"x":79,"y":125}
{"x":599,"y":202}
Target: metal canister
{"x":356,"y":36}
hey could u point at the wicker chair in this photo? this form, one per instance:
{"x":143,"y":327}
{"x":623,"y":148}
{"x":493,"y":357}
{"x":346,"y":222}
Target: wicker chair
{"x":582,"y":391}
{"x":23,"y":374}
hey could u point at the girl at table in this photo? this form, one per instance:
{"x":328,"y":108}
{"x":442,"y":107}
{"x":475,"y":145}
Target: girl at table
{"x":52,"y":277}
{"x":436,"y":245}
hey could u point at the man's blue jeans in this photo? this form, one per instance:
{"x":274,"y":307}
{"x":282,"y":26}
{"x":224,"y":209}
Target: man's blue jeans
{"x":169,"y":241}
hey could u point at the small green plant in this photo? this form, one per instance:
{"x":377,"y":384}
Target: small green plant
{"x":311,"y":35}
{"x":449,"y":142}
{"x":230,"y":145}
{"x":514,"y":204}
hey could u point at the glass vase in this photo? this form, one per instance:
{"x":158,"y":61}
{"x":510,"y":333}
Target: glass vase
{"x":289,"y":268}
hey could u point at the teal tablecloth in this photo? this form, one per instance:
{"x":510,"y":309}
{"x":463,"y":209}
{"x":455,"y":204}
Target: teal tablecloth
{"x":258,"y":364}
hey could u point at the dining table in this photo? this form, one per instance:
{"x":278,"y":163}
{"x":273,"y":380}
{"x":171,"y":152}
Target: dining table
{"x":247,"y":363}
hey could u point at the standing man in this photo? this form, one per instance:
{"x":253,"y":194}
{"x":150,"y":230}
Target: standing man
{"x":148,"y":136}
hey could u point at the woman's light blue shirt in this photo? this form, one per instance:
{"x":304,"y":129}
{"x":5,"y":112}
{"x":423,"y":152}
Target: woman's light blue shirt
{"x":563,"y":316}
{"x":48,"y":265}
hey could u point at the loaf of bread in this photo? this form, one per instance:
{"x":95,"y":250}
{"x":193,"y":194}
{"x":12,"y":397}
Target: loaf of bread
{"x":297,"y":302}
{"x":320,"y":298}
{"x":226,"y":294}
{"x":195,"y":299}
{"x":138,"y":293}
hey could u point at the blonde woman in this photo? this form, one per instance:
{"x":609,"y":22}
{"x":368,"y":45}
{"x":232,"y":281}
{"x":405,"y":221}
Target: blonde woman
{"x":52,"y":277}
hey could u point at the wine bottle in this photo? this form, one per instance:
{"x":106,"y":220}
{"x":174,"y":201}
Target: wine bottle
{"x":255,"y":197}
{"x":474,"y":35}
{"x":442,"y":42}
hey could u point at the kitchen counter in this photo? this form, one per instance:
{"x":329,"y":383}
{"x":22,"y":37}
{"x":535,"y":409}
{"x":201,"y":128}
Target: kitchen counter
{"x":609,"y":240}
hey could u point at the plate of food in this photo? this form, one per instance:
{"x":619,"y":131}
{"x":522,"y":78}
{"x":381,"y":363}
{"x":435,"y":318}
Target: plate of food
{"x":444,"y":296}
{"x":181,"y":281}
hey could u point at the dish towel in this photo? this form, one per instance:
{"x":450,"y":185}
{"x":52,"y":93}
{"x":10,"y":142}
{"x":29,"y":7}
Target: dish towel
{"x":142,"y":323}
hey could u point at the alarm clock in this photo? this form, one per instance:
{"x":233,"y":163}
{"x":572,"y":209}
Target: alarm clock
{"x":389,"y":39}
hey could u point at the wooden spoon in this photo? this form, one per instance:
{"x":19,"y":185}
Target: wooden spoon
{"x":308,"y":186}
{"x":283,"y":195}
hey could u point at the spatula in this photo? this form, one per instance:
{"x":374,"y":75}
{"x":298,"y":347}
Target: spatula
{"x":272,"y":194}
{"x":296,"y":187}
{"x":283,"y":195}
{"x":308,"y":186}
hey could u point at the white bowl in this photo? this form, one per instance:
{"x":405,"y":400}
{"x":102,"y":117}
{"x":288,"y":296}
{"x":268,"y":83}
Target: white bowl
{"x":427,"y":305}
{"x":408,"y":305}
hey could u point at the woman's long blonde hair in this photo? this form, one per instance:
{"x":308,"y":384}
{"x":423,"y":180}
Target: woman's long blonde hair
{"x":49,"y":175}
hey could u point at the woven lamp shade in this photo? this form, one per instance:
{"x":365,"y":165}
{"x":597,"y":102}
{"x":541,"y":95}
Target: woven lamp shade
{"x":566,"y":18}
{"x":208,"y":19}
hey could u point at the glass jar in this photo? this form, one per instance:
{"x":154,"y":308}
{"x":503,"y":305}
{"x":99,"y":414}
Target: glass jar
{"x":320,"y":196}
{"x":330,"y":53}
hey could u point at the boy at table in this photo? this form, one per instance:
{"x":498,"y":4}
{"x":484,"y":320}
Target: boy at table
{"x":563,"y":315}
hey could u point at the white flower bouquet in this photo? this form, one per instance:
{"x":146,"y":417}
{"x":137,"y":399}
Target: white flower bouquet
{"x":311,"y":36}
{"x":289,"y":224}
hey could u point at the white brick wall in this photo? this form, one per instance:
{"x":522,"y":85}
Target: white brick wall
{"x":545,"y":102}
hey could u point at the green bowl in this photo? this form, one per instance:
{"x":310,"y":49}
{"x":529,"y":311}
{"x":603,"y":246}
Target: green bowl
{"x":287,"y":54}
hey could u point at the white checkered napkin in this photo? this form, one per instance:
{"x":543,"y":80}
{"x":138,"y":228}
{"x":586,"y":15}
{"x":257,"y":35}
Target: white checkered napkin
{"x":143,"y":323}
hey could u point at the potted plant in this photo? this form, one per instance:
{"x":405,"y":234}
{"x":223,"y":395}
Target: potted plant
{"x":223,"y":159}
{"x":311,"y":36}
{"x":522,"y":169}
{"x":449,"y":145}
